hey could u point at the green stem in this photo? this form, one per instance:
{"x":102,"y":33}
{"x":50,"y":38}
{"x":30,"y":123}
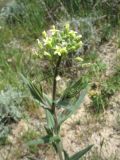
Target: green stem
{"x":54,"y":91}
{"x":60,"y":150}
{"x":53,"y":107}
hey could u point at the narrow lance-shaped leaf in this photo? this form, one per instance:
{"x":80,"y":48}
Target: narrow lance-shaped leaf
{"x":72,"y":108}
{"x":48,"y":100}
{"x":44,"y":140}
{"x":79,"y":154}
{"x":70,"y":92}
{"x":50,"y":133}
{"x":73,"y":89}
{"x":66,"y":155}
{"x":34,"y":91}
{"x":50,"y":119}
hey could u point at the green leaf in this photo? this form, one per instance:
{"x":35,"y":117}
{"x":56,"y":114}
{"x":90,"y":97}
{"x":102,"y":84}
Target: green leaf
{"x":55,"y":147}
{"x":79,"y":154}
{"x":47,"y":99}
{"x":37,"y":94}
{"x":66,"y":155}
{"x":63,"y":103}
{"x":73,"y":89}
{"x":44,"y":140}
{"x":49,"y":131}
{"x":50,"y":119}
{"x":72,"y":108}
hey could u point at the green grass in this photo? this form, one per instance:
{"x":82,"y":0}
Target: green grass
{"x":9,"y":67}
{"x":101,"y":98}
{"x":31,"y":135}
{"x":28,"y":18}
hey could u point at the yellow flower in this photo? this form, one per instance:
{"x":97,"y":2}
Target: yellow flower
{"x":79,"y":59}
{"x":64,"y":43}
{"x":47,"y":54}
{"x":73,"y":48}
{"x":39,"y":44}
{"x":57,"y":53}
{"x":44,"y":34}
{"x":49,"y":43}
{"x":80,"y":44}
{"x":78,"y":37}
{"x":53,"y":30}
{"x":60,"y":42}
{"x":72,"y":34}
{"x":67,"y":26}
{"x":63,"y":50}
{"x":38,"y":41}
{"x":57,"y":50}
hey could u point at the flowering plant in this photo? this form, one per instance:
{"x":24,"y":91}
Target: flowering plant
{"x":55,"y":45}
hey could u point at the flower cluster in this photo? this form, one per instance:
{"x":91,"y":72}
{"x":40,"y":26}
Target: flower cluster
{"x":56,"y":42}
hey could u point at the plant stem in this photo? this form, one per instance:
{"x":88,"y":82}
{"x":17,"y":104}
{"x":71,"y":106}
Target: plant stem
{"x":54,"y":90}
{"x":53,"y":107}
{"x":60,"y":150}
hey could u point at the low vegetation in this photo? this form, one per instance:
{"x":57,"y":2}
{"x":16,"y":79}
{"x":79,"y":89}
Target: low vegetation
{"x":52,"y":56}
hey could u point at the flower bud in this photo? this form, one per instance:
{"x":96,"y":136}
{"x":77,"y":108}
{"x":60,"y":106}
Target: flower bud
{"x":39,"y":44}
{"x":79,"y":59}
{"x":67,"y":27}
{"x":47,"y":54}
{"x":44,"y":34}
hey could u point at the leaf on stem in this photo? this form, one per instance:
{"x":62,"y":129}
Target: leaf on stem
{"x":44,"y":140}
{"x":47,"y":99}
{"x":73,"y":89}
{"x":37,"y":94}
{"x":66,"y":155}
{"x":79,"y":154}
{"x":50,"y":119}
{"x":72,"y":108}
